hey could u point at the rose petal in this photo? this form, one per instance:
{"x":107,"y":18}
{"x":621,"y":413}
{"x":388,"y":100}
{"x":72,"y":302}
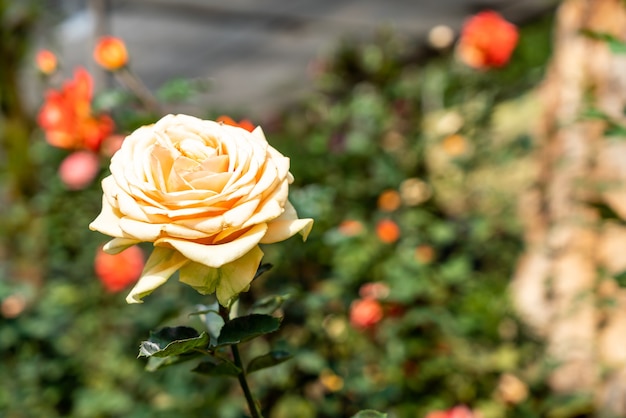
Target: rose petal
{"x":141,"y":231}
{"x":259,"y":134}
{"x":117,"y":245}
{"x":217,"y":255}
{"x":272,"y":206}
{"x":227,"y":281}
{"x":235,"y":216}
{"x":107,"y":222}
{"x":161,"y":264}
{"x":287,"y":225}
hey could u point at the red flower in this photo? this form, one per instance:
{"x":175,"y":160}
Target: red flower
{"x":110,"y":53}
{"x":487,"y":40}
{"x":67,"y":119}
{"x":79,"y":169}
{"x":244,"y":123}
{"x":119,"y":270}
{"x":365,"y":313}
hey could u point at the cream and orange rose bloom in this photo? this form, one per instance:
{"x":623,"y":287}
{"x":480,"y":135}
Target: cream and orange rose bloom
{"x":206,"y":195}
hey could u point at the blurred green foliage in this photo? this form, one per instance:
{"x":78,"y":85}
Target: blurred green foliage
{"x":452,"y":142}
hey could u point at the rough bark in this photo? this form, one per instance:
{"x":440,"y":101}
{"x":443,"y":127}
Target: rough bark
{"x":564,"y":285}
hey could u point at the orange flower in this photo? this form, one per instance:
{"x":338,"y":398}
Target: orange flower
{"x":243,"y":123}
{"x":119,"y":270}
{"x":110,"y":53}
{"x":487,"y":40}
{"x":365,"y":313}
{"x":67,"y":119}
{"x":389,"y":200}
{"x":387,"y":231}
{"x":46,"y":61}
{"x":455,"y":145}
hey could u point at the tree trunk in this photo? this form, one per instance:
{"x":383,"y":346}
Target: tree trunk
{"x":564,"y":285}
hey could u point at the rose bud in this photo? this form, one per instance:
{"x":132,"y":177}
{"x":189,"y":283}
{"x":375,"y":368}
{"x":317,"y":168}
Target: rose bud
{"x":46,"y":62}
{"x":110,"y":53}
{"x":374,"y":290}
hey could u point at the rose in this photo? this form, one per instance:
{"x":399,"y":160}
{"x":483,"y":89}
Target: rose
{"x":205,"y":194}
{"x":487,"y":40}
{"x":110,"y":53}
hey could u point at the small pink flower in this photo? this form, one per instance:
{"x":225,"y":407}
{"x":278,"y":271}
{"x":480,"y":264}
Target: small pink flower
{"x":374,"y":290}
{"x":460,"y":411}
{"x":79,"y":169}
{"x":351,"y":228}
{"x":365,"y":313}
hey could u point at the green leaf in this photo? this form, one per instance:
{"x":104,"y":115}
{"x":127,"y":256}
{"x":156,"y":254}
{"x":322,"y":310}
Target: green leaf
{"x":605,"y":211}
{"x":615,"y":129}
{"x":180,"y":89}
{"x":225,"y":368}
{"x":110,"y":99}
{"x":247,"y":327}
{"x":157,"y":363}
{"x":594,"y":113}
{"x":172,"y":341}
{"x":620,"y":278}
{"x":267,"y":360}
{"x":615,"y":45}
{"x":269,"y":305}
{"x":369,"y":413}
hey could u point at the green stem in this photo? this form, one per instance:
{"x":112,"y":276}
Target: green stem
{"x":254,"y":409}
{"x":134,"y":83}
{"x":243,"y":382}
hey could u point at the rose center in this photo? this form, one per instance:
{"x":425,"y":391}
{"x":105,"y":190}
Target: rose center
{"x":196,"y":150}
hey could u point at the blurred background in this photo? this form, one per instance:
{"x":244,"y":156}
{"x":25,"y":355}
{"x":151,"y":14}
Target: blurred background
{"x":463,"y":162}
{"x":249,"y":51}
